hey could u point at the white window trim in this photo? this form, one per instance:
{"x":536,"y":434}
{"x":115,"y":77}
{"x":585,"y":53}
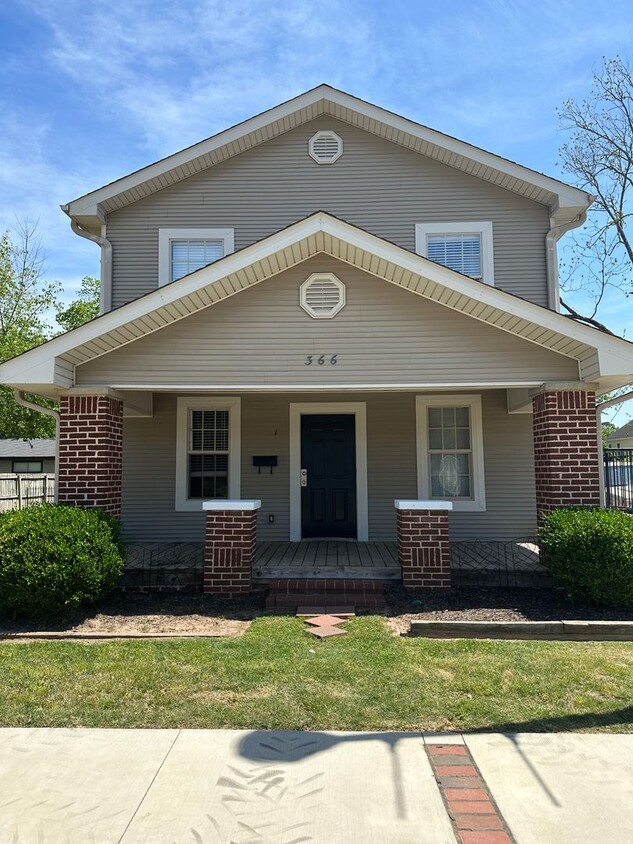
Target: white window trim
{"x":359,"y":410}
{"x":422,"y":403}
{"x":165,"y":237}
{"x":184,"y":405}
{"x":484,"y":229}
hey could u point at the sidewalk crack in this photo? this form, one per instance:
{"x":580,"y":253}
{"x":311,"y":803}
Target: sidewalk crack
{"x":147,"y":790}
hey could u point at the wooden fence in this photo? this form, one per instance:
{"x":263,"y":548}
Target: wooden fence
{"x":18,"y":491}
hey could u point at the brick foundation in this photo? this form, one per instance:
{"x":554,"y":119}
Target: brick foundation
{"x":229,"y":550}
{"x":566,"y":463}
{"x":424,"y":548}
{"x":90,"y":452}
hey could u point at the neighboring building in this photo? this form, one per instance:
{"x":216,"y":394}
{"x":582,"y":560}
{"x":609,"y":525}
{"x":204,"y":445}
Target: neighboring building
{"x":327,"y":308}
{"x":622,"y":438}
{"x":27,"y":456}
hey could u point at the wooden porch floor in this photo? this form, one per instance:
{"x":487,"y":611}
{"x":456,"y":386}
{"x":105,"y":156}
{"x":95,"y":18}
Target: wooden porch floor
{"x":332,"y":558}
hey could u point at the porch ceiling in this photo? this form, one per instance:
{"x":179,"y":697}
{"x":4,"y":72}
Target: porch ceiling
{"x":598,"y":354}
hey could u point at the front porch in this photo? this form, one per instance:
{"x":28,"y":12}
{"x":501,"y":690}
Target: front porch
{"x":179,"y":566}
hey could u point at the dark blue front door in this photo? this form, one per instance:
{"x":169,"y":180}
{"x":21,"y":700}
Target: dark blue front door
{"x":328,"y":456}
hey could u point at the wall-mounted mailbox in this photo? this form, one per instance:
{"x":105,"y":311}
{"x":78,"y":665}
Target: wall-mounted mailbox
{"x":264,"y":460}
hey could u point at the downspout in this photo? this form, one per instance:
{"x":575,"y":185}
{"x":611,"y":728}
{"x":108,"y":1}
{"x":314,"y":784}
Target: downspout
{"x":105,"y":303}
{"x":599,"y":408}
{"x":48,"y":411}
{"x":551,"y":257}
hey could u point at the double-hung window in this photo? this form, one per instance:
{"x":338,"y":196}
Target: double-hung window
{"x":183,"y":251}
{"x":207,"y":451}
{"x":464,"y":247}
{"x":450,"y":450}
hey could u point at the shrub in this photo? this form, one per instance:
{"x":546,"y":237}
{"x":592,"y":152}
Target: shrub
{"x":55,"y":558}
{"x":590,"y":553}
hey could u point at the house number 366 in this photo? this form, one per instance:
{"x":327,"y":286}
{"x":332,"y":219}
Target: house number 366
{"x":321,"y":360}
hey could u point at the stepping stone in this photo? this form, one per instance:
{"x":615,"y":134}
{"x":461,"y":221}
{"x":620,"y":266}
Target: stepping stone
{"x":324,"y":632}
{"x":324,"y":620}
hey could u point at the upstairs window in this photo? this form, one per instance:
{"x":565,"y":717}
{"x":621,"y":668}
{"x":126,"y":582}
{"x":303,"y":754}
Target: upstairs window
{"x":464,"y":247}
{"x":183,"y":251}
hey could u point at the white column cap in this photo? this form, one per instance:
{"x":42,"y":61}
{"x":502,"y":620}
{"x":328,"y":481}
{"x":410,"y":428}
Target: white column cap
{"x":401,"y":504}
{"x":226,"y":504}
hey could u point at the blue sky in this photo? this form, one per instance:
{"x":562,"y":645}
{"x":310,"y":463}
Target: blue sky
{"x":93,"y":90}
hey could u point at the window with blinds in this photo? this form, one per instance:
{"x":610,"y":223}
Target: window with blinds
{"x":459,"y":252}
{"x":190,"y":255}
{"x":208,"y":454}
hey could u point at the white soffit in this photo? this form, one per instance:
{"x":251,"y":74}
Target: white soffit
{"x":598,"y":354}
{"x":566,"y":202}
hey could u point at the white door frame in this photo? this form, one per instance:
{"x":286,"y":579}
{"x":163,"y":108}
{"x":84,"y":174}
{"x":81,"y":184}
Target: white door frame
{"x":359,"y":411}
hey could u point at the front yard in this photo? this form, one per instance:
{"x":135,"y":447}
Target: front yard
{"x":277,"y":676}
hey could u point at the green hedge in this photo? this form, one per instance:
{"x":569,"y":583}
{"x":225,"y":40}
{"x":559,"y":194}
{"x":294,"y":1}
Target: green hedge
{"x":55,"y":558}
{"x":590,"y":552}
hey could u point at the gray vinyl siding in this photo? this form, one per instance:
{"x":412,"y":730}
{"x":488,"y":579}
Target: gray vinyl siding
{"x":384,"y":335}
{"x":149,"y":465}
{"x":376,"y":185}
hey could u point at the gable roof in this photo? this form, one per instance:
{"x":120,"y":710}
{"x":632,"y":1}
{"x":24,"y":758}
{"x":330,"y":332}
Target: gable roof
{"x":623,"y":432}
{"x":50,"y":367}
{"x":566,"y":203}
{"x":27,"y":448}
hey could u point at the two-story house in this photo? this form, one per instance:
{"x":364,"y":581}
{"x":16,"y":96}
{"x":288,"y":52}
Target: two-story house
{"x":327,"y":323}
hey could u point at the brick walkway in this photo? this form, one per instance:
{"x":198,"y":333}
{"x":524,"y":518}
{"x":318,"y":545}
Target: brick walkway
{"x":470,"y":805}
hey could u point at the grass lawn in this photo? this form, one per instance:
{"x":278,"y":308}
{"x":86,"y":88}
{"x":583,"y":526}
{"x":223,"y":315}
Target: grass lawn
{"x":278,"y":676}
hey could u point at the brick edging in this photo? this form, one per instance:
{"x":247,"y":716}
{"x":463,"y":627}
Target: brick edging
{"x":473,"y":811}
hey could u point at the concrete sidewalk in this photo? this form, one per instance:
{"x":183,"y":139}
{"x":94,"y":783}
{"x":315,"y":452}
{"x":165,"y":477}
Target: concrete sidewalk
{"x":243,"y":787}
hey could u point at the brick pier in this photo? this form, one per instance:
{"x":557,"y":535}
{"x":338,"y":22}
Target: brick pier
{"x":566,"y":466}
{"x":229,"y":546}
{"x":90,"y":452}
{"x":423,"y":545}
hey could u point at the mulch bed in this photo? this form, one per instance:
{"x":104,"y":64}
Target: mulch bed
{"x":489,"y":604}
{"x":195,"y":613}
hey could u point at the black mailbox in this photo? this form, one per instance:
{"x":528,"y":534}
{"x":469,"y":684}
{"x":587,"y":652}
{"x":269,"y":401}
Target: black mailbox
{"x":265,"y":460}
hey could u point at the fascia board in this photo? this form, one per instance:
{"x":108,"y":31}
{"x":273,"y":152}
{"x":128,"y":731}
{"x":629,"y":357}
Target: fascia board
{"x":88,"y":203}
{"x":613,"y":348}
{"x":567,"y":196}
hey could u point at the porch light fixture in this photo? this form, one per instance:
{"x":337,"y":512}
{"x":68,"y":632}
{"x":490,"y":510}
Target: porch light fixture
{"x":322,"y":295}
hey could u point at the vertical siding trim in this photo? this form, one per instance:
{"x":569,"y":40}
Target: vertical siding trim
{"x":359,"y":411}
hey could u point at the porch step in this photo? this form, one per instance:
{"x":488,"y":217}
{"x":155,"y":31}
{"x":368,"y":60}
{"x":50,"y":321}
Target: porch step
{"x":291,"y":593}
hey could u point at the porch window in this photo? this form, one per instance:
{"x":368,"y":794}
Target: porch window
{"x":207,"y":451}
{"x":208,"y":454}
{"x":450,"y":450}
{"x":182,"y":251}
{"x":464,"y":247}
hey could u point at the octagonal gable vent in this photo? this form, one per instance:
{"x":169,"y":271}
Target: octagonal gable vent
{"x":326,"y":147}
{"x":322,"y":295}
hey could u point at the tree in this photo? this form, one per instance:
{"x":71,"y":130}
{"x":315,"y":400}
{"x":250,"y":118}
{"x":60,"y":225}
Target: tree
{"x":84,"y":308}
{"x":26,"y":301}
{"x":599,"y":154}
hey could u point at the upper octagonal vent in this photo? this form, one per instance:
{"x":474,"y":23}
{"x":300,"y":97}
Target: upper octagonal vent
{"x":326,"y":147}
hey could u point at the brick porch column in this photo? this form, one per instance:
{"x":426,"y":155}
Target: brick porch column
{"x":423,"y":546}
{"x":229,"y":546}
{"x":566,"y":462}
{"x":90,"y":452}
